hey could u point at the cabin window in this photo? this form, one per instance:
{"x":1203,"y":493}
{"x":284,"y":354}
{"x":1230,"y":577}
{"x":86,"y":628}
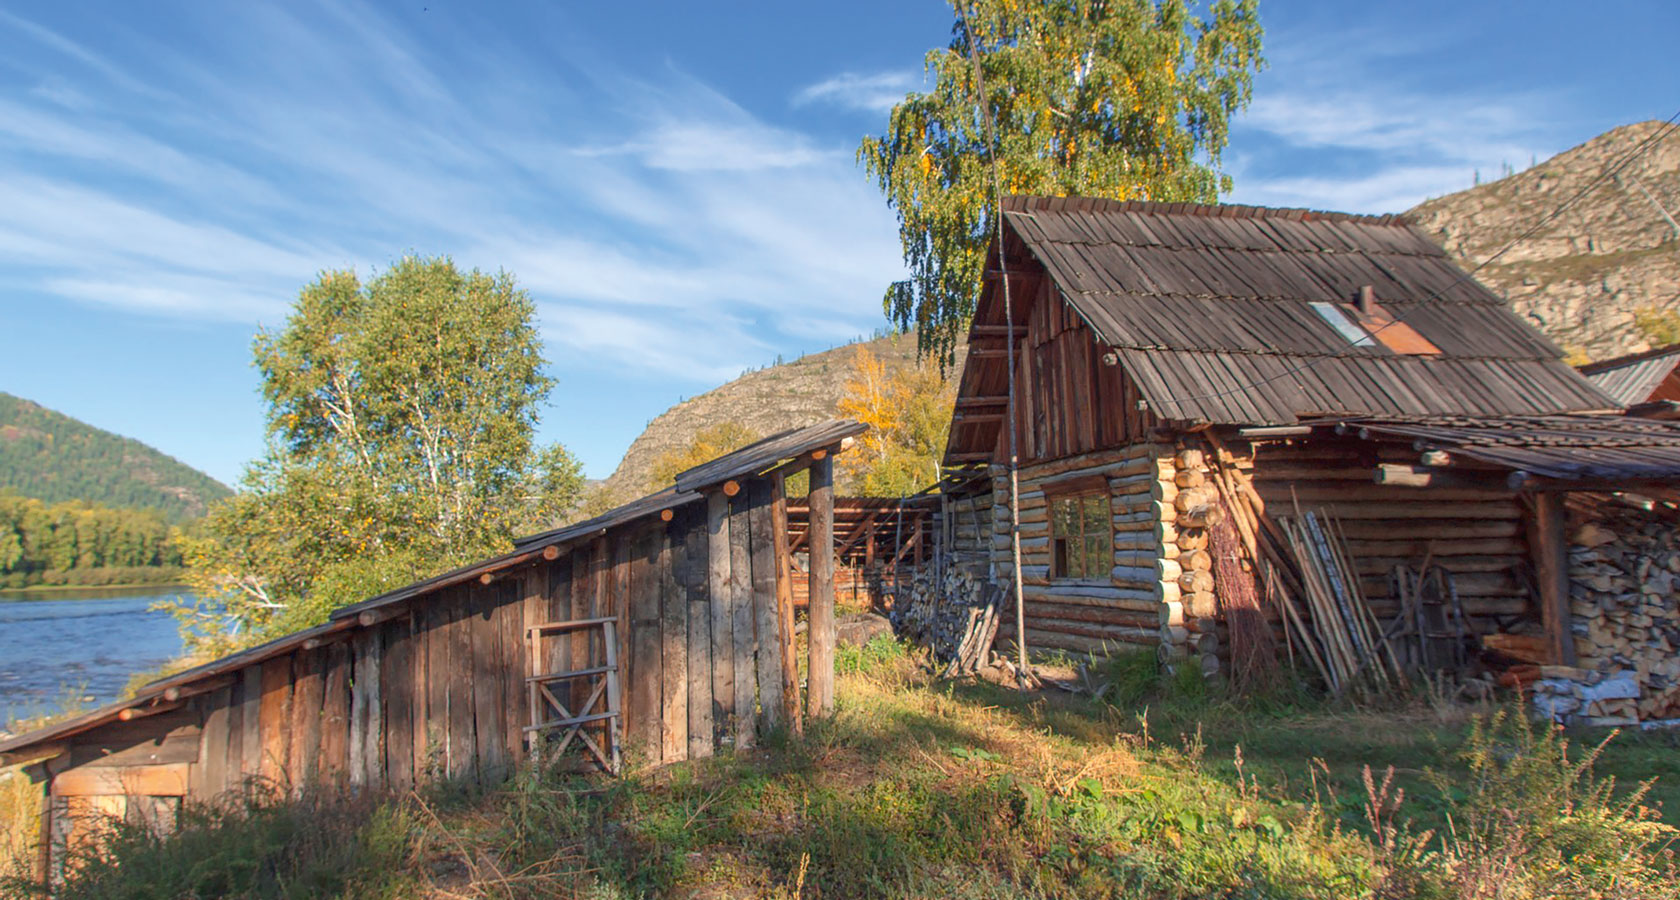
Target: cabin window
{"x":1081,"y":540}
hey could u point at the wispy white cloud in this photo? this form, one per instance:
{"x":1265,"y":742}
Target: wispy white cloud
{"x":660,"y":226}
{"x":875,"y":93}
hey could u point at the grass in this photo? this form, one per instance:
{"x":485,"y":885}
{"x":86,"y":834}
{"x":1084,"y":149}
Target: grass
{"x":921,"y":788}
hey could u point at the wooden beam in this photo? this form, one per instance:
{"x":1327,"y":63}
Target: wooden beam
{"x":972,"y":402}
{"x":1273,"y":431}
{"x":183,"y":691}
{"x":30,"y":756}
{"x":820,"y":609}
{"x":1551,"y":565}
{"x":141,"y":712}
{"x":976,"y":418}
{"x":368,"y":618}
{"x":731,"y":488}
{"x":1431,"y":477}
{"x":985,"y":331}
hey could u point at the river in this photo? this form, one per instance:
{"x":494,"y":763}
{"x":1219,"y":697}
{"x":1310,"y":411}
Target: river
{"x":81,"y":644}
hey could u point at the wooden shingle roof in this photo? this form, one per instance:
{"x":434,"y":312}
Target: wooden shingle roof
{"x":1632,"y":379}
{"x":1211,"y":310}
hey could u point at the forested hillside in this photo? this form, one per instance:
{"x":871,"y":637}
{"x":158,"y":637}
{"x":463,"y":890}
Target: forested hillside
{"x":82,"y":544}
{"x":54,"y":458}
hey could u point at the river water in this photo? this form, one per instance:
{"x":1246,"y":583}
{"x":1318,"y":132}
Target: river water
{"x":84,"y":644}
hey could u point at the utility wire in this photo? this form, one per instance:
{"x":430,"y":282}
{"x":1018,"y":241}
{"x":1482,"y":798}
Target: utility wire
{"x":1609,"y":172}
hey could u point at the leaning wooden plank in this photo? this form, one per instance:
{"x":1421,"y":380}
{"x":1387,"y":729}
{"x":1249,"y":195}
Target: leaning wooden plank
{"x":784,"y":603}
{"x":250,"y":721}
{"x":646,"y":647}
{"x":720,"y":603}
{"x":397,"y":683}
{"x":168,"y":780}
{"x":275,"y":721}
{"x":743,"y":627}
{"x":761,"y":521}
{"x":673,"y":650}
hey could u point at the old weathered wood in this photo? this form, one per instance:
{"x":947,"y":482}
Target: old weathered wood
{"x":673,"y":640}
{"x":435,"y":750}
{"x":696,"y":581}
{"x":489,"y":725}
{"x":463,"y":738}
{"x":646,"y":647}
{"x":721,"y":607}
{"x":168,"y":780}
{"x":510,"y":644}
{"x":744,"y":619}
{"x":369,"y":646}
{"x":250,"y":721}
{"x":212,"y":770}
{"x":820,"y":607}
{"x":397,"y":686}
{"x":335,"y":715}
{"x":307,"y":699}
{"x":791,"y":712}
{"x":761,"y":518}
{"x":1551,"y":557}
{"x":275,"y":714}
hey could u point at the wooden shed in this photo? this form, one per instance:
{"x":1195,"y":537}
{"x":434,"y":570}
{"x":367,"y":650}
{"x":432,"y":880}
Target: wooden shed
{"x":1647,"y":383}
{"x":1178,"y":366}
{"x":661,"y":630}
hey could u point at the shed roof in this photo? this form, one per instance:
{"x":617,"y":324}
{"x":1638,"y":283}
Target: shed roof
{"x":1632,"y":379}
{"x":1211,"y":310}
{"x":761,"y":455}
{"x":1562,"y":447}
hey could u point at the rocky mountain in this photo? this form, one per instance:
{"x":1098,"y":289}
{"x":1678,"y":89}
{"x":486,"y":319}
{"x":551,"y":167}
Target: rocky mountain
{"x":1588,"y":276}
{"x":53,"y":457}
{"x":789,"y":395}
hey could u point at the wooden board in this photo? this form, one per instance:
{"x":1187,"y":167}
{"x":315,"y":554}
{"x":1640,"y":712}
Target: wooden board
{"x":511,"y":669}
{"x":821,"y":634}
{"x":646,"y":646}
{"x":744,"y":718}
{"x":397,"y":684}
{"x":307,"y":697}
{"x":760,"y":520}
{"x":250,"y":722}
{"x":157,"y":781}
{"x":367,"y":763}
{"x":791,"y":712}
{"x":673,"y":648}
{"x":212,"y":772}
{"x":335,"y":716}
{"x":721,"y":590}
{"x":435,"y":618}
{"x":702,"y":729}
{"x":463,"y":740}
{"x":275,"y":720}
{"x":489,"y":726}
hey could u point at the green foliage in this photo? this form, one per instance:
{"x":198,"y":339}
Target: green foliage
{"x":1126,"y":99}
{"x":401,"y":414}
{"x":54,"y":458}
{"x":80,"y":543}
{"x":881,"y":652}
{"x":1660,"y":327}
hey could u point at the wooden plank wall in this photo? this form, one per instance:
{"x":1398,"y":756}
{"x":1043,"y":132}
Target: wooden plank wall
{"x":1089,"y":614}
{"x":1069,"y":401}
{"x":438,"y":690}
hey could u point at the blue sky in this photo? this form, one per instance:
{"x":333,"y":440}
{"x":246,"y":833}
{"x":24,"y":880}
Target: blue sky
{"x":673,"y":182}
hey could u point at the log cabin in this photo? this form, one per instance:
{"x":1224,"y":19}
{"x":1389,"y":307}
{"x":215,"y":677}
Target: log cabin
{"x":1180,"y":369}
{"x":660,"y":631}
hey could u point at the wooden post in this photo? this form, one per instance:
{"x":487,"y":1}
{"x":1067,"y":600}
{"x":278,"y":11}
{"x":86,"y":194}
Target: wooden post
{"x":721,"y":594}
{"x":744,"y":720}
{"x":673,"y":630}
{"x":784,"y":603}
{"x":766,"y":617}
{"x":820,"y":608}
{"x":1551,"y":564}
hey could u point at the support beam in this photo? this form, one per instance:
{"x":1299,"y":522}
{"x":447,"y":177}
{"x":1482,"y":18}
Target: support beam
{"x":820,"y":609}
{"x":784,"y":604}
{"x":1551,"y":569}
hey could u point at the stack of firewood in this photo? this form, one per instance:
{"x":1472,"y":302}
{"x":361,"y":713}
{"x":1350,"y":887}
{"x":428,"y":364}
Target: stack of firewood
{"x":1623,"y":574}
{"x":954,"y":615}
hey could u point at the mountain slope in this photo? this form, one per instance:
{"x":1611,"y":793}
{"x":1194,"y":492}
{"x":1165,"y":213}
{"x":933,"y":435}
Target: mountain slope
{"x":1584,"y":277}
{"x":52,"y":457}
{"x":791,"y":395}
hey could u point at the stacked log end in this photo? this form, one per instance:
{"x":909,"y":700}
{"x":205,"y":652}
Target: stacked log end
{"x":1624,"y":570}
{"x":1188,"y":609}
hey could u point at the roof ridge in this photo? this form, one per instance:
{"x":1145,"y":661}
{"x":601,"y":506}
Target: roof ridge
{"x":1605,"y":365}
{"x":1027,"y":203}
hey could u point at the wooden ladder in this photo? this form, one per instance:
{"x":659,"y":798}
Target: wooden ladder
{"x":549,"y":714}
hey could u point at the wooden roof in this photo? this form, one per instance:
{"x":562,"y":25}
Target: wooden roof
{"x":1561,"y":447}
{"x":1632,"y":379}
{"x":1210,"y":310}
{"x":761,"y":455}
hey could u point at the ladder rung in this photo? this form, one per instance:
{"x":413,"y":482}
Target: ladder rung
{"x":566,"y":723}
{"x":562,"y":676}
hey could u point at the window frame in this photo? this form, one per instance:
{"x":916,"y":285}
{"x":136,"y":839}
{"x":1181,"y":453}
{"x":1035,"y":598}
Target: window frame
{"x":1078,"y":491}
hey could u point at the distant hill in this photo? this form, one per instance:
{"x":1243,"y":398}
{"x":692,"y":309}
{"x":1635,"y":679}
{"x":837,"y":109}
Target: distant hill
{"x":52,"y":457}
{"x":1585,"y":277}
{"x":790,"y":395}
